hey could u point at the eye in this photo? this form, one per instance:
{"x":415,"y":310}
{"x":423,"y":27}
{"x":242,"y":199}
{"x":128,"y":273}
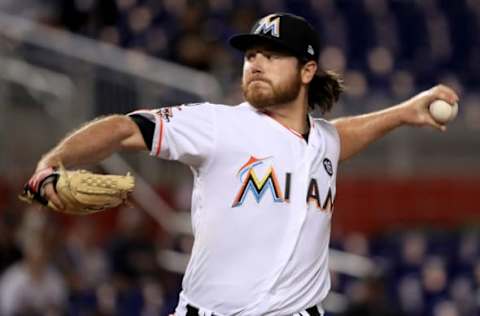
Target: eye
{"x":273,"y":54}
{"x":249,"y":55}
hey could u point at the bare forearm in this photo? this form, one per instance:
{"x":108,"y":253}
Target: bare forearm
{"x":90,"y":144}
{"x":357,"y":132}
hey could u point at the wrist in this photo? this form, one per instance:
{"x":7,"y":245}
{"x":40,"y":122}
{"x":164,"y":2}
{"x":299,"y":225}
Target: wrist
{"x":405,"y":112}
{"x":48,"y":162}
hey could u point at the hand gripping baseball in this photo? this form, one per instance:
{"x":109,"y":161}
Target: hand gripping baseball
{"x":418,"y":107}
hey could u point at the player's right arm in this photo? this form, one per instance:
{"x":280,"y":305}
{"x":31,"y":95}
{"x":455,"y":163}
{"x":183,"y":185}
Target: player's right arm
{"x":91,"y":143}
{"x":94,"y":142}
{"x":184,"y":133}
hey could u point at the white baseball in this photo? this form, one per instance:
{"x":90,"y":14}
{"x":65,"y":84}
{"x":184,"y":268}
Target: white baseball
{"x":442,"y":112}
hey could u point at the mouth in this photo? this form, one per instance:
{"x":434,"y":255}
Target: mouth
{"x":258,"y":80}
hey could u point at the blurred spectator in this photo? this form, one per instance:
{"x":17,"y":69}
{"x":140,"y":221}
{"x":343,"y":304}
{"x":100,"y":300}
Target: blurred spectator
{"x":132,"y":257}
{"x":476,"y":273}
{"x":40,"y":10}
{"x":33,"y":286}
{"x":413,"y":251}
{"x":462,"y":294}
{"x":191,"y":46}
{"x":373,"y":300}
{"x":402,"y":84}
{"x":87,"y":16}
{"x":434,"y":278}
{"x":86,"y":266}
{"x":410,"y":296}
{"x":87,"y":257}
{"x":131,"y":251}
{"x":445,"y":308}
{"x":153,"y":295}
{"x":467,"y":252}
{"x":356,"y":243}
{"x":9,"y":250}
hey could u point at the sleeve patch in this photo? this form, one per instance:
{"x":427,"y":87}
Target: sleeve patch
{"x":166,"y":113}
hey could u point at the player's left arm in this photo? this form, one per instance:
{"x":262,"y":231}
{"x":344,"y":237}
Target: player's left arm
{"x":357,"y":132}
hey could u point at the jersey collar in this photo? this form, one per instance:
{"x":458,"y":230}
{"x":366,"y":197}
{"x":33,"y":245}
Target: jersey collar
{"x":311,"y":122}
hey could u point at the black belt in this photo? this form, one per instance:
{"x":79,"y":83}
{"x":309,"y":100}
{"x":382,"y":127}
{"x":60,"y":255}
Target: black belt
{"x":194,"y":311}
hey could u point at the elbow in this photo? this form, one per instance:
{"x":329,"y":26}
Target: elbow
{"x":128,"y":134}
{"x":121,"y":125}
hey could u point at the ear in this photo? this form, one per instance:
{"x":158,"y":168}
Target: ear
{"x":308,"y":71}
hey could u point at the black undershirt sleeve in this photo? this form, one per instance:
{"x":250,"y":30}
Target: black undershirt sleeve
{"x":147,"y":128}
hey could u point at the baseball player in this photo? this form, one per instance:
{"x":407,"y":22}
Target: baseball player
{"x":264,"y":172}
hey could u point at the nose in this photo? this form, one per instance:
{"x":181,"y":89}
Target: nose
{"x":255,"y":62}
{"x":257,"y":56}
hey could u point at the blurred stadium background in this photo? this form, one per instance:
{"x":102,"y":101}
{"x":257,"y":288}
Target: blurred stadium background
{"x":406,"y":238}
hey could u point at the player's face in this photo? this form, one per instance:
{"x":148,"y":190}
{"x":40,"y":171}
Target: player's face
{"x":270,"y":77}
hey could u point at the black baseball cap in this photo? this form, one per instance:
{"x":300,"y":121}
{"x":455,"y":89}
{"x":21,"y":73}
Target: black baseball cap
{"x":284,"y":30}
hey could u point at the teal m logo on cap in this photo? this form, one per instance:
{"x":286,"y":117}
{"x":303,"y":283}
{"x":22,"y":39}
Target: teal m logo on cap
{"x":269,"y":24}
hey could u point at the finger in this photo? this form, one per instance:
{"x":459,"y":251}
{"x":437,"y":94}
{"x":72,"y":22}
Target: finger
{"x":446,"y":93}
{"x":52,"y":196}
{"x":451,"y":92}
{"x":431,"y":122}
{"x":441,"y":128}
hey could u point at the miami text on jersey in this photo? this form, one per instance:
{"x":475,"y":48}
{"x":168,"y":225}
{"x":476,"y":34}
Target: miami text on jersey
{"x":269,"y":182}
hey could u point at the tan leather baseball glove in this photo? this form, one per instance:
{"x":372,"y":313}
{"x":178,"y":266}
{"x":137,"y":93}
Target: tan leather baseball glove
{"x":82,"y":192}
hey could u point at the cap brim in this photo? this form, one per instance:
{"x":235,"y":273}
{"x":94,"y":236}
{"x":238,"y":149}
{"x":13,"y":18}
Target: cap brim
{"x":245,"y":41}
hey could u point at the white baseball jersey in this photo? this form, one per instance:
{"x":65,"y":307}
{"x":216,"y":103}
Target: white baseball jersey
{"x":261,"y":207}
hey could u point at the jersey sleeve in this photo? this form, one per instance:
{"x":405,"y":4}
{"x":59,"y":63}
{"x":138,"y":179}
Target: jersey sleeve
{"x":185,"y":133}
{"x":333,"y":138}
